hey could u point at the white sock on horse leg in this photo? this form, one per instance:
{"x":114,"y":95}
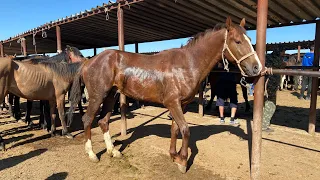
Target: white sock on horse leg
{"x":88,"y":149}
{"x":110,"y":148}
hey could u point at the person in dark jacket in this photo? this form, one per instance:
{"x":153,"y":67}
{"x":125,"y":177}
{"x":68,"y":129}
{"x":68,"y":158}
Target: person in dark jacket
{"x":227,"y":88}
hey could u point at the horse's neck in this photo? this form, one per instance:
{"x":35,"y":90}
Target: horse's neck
{"x":207,"y":52}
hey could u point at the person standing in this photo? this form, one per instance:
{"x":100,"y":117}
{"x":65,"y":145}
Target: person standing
{"x":227,"y":88}
{"x":273,"y":60}
{"x":307,"y":81}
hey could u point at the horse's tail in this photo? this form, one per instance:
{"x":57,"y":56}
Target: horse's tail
{"x":75,"y":95}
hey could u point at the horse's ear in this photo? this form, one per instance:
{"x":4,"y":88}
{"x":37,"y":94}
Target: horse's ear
{"x":243,"y":22}
{"x":229,"y":23}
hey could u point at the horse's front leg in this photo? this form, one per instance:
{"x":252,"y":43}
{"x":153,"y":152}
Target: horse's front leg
{"x":60,"y":106}
{"x":2,"y":144}
{"x":177,"y":113}
{"x":53,"y":116}
{"x":173,"y":143}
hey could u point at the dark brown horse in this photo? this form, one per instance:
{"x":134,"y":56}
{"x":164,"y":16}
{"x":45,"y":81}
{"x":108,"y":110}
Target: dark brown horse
{"x":172,"y":79}
{"x":43,"y":81}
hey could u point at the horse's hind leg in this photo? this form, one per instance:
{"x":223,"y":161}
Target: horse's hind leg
{"x":177,"y":113}
{"x":60,"y":106}
{"x":245,"y":97}
{"x":105,"y":115}
{"x":87,"y":118}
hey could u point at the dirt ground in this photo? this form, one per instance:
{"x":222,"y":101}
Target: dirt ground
{"x":216,"y":151}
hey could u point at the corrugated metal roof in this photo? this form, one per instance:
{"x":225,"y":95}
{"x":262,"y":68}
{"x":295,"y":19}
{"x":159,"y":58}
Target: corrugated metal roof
{"x":155,"y":20}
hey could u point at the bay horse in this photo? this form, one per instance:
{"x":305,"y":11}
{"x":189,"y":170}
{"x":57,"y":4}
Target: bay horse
{"x":172,"y":79}
{"x":69,"y":55}
{"x":42,"y":81}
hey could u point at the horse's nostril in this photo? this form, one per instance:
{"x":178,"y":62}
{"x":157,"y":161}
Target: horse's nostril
{"x":256,"y":69}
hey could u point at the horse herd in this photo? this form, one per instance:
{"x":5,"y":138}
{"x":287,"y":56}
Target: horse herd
{"x":172,"y":79}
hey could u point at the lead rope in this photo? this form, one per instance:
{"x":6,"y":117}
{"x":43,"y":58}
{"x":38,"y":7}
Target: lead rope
{"x":225,"y":46}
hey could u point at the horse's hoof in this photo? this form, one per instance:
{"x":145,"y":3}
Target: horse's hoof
{"x":68,"y":135}
{"x":182,"y":169}
{"x":116,"y":153}
{"x":93,"y":158}
{"x":2,"y":147}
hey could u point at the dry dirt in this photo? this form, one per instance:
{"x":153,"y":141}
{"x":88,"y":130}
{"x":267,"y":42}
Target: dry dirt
{"x":216,"y":151}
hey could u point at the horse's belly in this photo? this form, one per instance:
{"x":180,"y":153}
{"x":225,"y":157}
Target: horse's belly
{"x":33,"y":91}
{"x":149,"y":91}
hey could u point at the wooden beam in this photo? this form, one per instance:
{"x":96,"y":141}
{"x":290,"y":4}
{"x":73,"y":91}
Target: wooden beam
{"x":262,"y":16}
{"x":299,"y":50}
{"x":94,"y":51}
{"x":123,"y":103}
{"x":200,"y":109}
{"x":136,"y":47}
{"x":58,"y":34}
{"x":24,"y":46}
{"x":1,"y":50}
{"x":315,"y":85}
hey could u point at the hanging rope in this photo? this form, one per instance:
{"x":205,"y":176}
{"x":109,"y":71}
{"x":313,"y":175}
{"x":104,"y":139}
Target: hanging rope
{"x":44,"y":34}
{"x":106,"y":10}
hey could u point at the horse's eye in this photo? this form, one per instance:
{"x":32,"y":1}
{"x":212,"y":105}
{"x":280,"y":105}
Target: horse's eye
{"x":238,"y":42}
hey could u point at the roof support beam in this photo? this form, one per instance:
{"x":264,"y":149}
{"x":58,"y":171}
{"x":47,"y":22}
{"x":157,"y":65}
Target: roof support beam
{"x":315,"y":85}
{"x":24,"y":46}
{"x":58,"y":34}
{"x":262,"y":17}
{"x":1,"y":50}
{"x":123,"y":103}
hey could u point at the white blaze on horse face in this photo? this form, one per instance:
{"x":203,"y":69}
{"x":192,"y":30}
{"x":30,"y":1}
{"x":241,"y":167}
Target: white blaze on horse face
{"x":252,"y":50}
{"x":88,"y":149}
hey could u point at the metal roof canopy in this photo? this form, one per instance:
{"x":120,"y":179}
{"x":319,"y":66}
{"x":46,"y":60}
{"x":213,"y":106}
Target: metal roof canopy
{"x":156,"y":20}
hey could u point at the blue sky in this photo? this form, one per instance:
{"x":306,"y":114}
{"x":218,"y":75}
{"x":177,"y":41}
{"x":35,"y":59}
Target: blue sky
{"x":17,"y":16}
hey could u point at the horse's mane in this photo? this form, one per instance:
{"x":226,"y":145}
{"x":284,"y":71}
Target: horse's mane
{"x":61,"y":57}
{"x":193,"y":40}
{"x":63,"y":70}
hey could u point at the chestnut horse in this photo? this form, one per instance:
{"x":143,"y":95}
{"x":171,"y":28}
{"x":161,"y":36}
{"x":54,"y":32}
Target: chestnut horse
{"x":43,"y":81}
{"x":172,"y":79}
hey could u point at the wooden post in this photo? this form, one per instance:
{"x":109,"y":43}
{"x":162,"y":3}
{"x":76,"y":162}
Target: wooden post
{"x":94,"y":51}
{"x":201,"y":100}
{"x":24,"y":46}
{"x":58,"y":34}
{"x":262,"y":12}
{"x":123,"y":104}
{"x":315,"y":85}
{"x":299,"y":55}
{"x":136,"y":47}
{"x":1,"y":50}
